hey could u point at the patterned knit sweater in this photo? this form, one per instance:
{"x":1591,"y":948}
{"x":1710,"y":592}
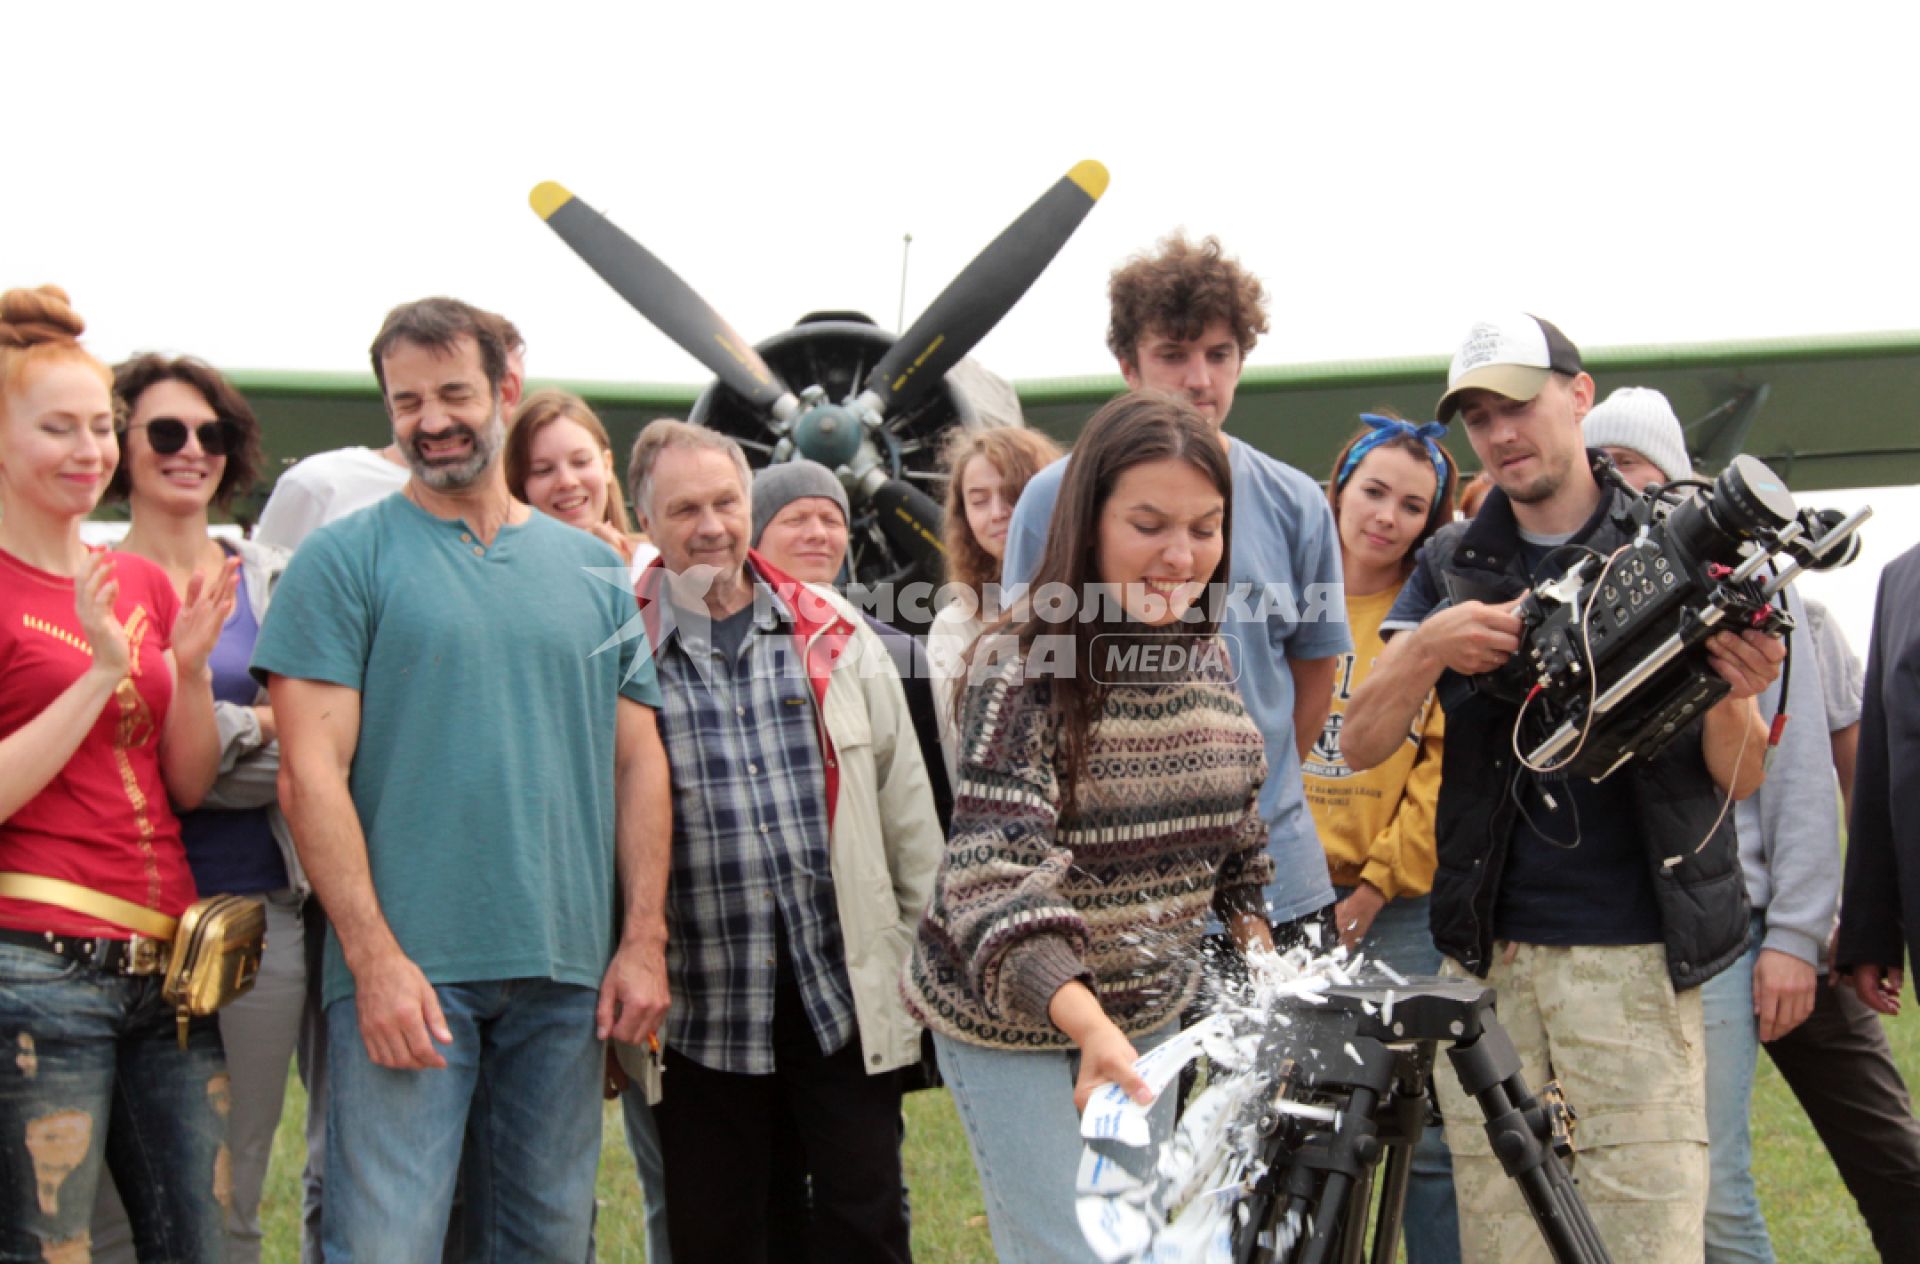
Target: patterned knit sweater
{"x":1114,"y":892}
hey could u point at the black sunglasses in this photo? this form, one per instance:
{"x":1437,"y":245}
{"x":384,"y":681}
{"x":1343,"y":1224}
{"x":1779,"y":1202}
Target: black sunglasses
{"x":167,"y":435}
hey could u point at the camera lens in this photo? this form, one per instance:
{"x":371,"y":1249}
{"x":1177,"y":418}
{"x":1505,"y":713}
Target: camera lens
{"x":1747,"y":500}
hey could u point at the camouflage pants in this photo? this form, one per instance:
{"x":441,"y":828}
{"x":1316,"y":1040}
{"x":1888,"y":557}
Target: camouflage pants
{"x":1630,"y":1055}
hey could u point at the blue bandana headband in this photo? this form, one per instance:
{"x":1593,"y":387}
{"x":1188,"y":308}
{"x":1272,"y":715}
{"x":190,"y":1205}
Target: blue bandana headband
{"x":1385,"y":428}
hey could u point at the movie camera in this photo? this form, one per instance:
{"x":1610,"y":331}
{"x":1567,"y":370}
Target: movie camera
{"x":1612,"y":661}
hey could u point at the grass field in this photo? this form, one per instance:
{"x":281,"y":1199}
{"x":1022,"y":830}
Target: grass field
{"x":1808,"y":1210}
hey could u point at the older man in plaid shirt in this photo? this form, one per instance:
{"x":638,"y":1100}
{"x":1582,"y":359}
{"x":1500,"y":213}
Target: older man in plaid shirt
{"x":804,"y":848}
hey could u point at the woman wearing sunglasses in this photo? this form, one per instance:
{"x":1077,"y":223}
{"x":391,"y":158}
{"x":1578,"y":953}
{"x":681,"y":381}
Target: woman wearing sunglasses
{"x":191,"y":444}
{"x":106,"y":714}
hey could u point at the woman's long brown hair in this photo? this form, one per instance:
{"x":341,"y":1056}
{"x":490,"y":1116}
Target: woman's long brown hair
{"x":1136,"y":429}
{"x":1018,"y":454}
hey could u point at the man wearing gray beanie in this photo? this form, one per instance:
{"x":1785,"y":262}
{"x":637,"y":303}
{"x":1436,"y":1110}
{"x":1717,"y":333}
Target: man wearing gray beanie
{"x":1636,"y":426}
{"x":800,"y":522}
{"x":777,"y":486}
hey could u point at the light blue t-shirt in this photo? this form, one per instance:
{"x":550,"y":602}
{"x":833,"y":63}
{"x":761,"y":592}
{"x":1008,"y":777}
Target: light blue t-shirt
{"x":1289,"y":602}
{"x":484,"y":773}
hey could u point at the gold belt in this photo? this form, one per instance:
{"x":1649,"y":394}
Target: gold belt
{"x":153,"y":931}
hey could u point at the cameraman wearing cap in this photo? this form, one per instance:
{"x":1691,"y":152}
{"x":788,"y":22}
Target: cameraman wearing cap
{"x":1596,"y":911}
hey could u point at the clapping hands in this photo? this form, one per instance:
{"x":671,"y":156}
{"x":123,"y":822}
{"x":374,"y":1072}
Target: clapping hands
{"x":208,"y":605}
{"x":93,"y":599}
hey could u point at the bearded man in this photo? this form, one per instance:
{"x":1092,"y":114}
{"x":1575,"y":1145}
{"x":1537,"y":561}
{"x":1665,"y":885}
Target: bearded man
{"x":469,"y":763}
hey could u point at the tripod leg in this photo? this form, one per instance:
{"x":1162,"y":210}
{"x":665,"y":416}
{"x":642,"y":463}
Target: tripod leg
{"x":1354,"y":1132}
{"x":1393,"y":1202}
{"x":1489,"y":1070}
{"x":1353,"y":1239}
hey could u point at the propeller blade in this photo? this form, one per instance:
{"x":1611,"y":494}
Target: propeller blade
{"x":911,"y":520}
{"x":985,"y":291}
{"x":662,"y":297}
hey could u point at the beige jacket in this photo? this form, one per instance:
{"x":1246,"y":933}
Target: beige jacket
{"x":886,"y":842}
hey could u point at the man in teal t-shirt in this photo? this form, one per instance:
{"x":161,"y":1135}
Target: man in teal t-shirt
{"x":470,"y":763}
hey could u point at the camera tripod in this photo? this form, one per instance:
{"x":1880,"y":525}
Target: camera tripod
{"x":1349,"y":1090}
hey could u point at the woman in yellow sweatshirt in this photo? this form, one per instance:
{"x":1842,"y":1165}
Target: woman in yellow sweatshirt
{"x":1392,"y":487}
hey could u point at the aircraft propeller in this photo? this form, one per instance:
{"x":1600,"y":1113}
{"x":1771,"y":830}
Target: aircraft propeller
{"x":657,"y":292}
{"x":850,"y":436}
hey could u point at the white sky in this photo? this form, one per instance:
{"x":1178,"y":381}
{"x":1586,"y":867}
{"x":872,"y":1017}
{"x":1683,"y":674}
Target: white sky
{"x":257,"y":184}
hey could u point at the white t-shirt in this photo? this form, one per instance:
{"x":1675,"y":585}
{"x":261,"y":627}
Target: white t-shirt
{"x":643,"y":555}
{"x":324,"y":487}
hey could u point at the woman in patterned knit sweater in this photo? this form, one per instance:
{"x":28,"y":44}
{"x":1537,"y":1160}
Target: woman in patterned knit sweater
{"x":1106,"y":803}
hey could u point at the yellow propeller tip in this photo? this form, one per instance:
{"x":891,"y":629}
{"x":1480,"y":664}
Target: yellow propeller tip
{"x":1091,"y":176}
{"x":548,"y":197}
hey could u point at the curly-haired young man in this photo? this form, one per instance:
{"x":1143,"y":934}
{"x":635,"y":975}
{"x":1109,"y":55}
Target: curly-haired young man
{"x":1183,"y":318}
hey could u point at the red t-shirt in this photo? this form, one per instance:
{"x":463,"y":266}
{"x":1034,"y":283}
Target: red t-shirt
{"x":103,"y":821}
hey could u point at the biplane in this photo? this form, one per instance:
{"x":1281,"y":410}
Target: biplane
{"x":1825,"y":412}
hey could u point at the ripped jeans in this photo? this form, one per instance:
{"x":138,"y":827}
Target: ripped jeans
{"x":91,"y":1071}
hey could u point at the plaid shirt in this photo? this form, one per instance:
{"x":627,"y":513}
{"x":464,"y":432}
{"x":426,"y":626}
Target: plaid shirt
{"x":750,"y":856}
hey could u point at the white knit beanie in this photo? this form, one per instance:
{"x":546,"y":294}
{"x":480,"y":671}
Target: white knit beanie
{"x":1641,"y":420}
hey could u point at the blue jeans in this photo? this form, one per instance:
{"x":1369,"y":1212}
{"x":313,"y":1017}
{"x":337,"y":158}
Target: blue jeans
{"x":521,"y":1089}
{"x":1017,"y":1108}
{"x":258,"y":1031}
{"x":1402,"y":937}
{"x":643,"y":1139}
{"x":93,"y":1072}
{"x":1736,"y":1231}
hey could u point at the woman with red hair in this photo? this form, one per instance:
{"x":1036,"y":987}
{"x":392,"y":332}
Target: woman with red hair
{"x":106,"y":714}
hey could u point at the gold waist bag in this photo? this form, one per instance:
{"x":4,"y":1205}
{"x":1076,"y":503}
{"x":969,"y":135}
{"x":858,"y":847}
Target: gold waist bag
{"x":215,"y":957}
{"x":211,"y":955}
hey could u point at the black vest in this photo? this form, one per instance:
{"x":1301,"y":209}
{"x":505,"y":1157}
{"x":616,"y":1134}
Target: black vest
{"x":1700,"y":890}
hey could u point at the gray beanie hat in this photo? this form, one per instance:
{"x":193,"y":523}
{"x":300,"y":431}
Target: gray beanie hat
{"x":1641,"y":420}
{"x":777,"y":486}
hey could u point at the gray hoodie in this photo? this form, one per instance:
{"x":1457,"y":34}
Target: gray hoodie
{"x":1790,"y":829}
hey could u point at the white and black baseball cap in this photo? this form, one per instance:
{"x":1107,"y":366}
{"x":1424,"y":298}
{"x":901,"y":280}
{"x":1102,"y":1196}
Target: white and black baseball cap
{"x":1511,"y":356}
